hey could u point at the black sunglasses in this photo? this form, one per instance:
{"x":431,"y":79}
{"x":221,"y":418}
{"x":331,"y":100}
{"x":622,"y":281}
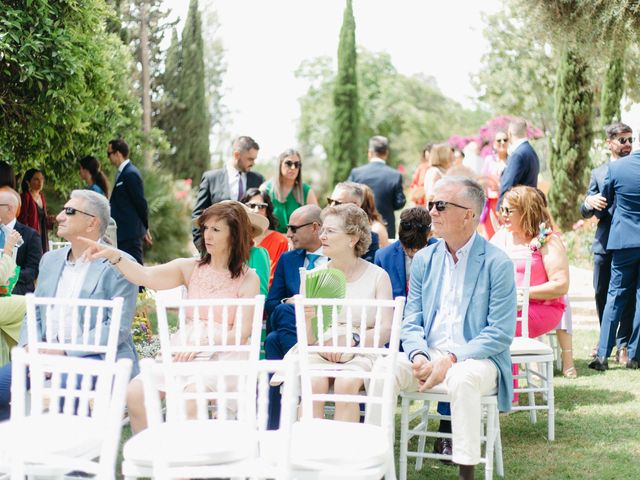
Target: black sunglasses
{"x":507,"y":210}
{"x":294,"y":228}
{"x":259,"y":206}
{"x":331,"y":202}
{"x":441,"y":205}
{"x":624,"y":140}
{"x":73,"y":211}
{"x":293,"y":165}
{"x":502,"y":140}
{"x":418,"y":227}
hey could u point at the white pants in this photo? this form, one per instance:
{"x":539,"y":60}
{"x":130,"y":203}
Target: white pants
{"x":466,"y":382}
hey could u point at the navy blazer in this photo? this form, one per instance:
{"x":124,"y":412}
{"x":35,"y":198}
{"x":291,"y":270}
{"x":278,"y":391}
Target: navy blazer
{"x":522,"y":168}
{"x":128,"y":206}
{"x":214,"y":188}
{"x":286,"y":280}
{"x":622,"y":190}
{"x":386,"y":184}
{"x":596,"y":186}
{"x":392,"y":259}
{"x":28,"y":257}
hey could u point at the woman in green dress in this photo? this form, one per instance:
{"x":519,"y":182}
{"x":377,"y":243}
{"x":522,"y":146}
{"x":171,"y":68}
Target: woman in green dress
{"x":286,"y":189}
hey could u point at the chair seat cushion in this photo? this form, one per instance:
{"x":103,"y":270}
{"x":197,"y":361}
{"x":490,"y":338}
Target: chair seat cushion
{"x":324,"y":444}
{"x":191,"y":443}
{"x":529,"y":346}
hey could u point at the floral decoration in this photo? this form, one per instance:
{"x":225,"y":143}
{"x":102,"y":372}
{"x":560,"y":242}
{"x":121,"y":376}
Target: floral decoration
{"x":538,"y":242}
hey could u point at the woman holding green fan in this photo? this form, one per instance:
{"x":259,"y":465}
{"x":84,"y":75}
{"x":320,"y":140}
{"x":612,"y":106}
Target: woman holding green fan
{"x":345,"y":237}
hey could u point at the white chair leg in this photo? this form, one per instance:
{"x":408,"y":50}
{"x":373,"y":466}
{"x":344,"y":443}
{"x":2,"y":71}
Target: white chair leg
{"x":551,"y":404}
{"x":531,"y":395}
{"x":490,"y":435}
{"x":423,"y":439}
{"x":498,"y":448}
{"x":404,"y":434}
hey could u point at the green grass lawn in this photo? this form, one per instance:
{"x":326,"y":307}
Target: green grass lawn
{"x":597,"y":429}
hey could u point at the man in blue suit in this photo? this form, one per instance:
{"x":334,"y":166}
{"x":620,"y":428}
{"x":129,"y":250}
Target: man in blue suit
{"x":523,"y":165}
{"x":385,"y":181}
{"x":304,"y":233}
{"x":128,"y":206}
{"x":64,"y":273}
{"x":619,"y":142}
{"x":621,"y":187}
{"x":460,"y":317}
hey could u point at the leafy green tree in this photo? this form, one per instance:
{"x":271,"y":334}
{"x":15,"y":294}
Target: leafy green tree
{"x":574,"y":135}
{"x":612,"y":89}
{"x":64,"y":87}
{"x":344,"y":126}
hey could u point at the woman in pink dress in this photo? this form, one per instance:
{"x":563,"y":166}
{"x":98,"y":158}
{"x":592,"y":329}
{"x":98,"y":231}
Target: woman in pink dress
{"x":220,"y":272}
{"x":527,"y":227}
{"x":492,"y":168}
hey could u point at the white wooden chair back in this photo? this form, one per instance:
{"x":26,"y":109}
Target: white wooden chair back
{"x":210,"y":326}
{"x":349,"y":316}
{"x":523,"y":288}
{"x":247,"y":427}
{"x":74,"y":325}
{"x":83,"y":398}
{"x":56,"y":245}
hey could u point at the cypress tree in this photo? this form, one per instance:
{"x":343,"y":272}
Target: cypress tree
{"x":344,"y":128}
{"x":192,"y":132}
{"x":612,"y":89}
{"x":170,"y":111}
{"x":570,"y":149}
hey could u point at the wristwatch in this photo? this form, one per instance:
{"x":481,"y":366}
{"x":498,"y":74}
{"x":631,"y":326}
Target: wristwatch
{"x":356,"y":339}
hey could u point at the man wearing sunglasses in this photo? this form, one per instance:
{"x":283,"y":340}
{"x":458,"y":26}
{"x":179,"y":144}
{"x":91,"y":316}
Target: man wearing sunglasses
{"x":385,"y":181}
{"x":28,"y":255}
{"x":621,"y":187}
{"x":459,"y":319}
{"x":523,"y":164}
{"x":303,"y":231}
{"x":619,"y":140}
{"x":65,"y":273}
{"x":230,"y":182}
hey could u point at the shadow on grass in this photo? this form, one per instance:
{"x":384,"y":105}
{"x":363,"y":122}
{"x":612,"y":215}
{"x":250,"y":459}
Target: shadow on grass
{"x":573,"y":396}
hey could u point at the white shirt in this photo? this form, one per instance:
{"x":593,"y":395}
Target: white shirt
{"x":234,"y":179}
{"x":120,"y":168}
{"x":377,"y":159}
{"x":515,"y":144}
{"x":447,"y":331}
{"x":69,"y":286}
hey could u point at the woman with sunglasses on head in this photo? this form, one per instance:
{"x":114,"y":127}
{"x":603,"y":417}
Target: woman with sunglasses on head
{"x":528,"y":228}
{"x":441,"y":158}
{"x":33,"y":212}
{"x":286,"y":188}
{"x":376,"y":220}
{"x":492,"y":168}
{"x":274,"y":242}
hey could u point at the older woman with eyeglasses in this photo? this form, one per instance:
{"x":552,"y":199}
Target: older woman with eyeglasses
{"x":272,"y":241}
{"x":528,"y":227}
{"x":286,"y":188}
{"x":492,"y":168}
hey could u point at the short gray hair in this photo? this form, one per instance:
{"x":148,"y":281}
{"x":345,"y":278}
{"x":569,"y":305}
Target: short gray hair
{"x":379,"y":145}
{"x":95,"y":204}
{"x":355,"y":190}
{"x":518,"y":127}
{"x":471,"y":191}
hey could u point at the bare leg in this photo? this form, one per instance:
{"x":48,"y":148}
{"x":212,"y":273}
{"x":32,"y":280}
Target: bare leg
{"x":347,"y":412}
{"x":566,"y":347}
{"x":319,"y":385}
{"x":135,"y":406}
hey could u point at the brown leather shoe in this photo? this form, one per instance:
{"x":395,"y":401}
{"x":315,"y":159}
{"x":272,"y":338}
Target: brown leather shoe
{"x":443,"y":446}
{"x":622,"y":355}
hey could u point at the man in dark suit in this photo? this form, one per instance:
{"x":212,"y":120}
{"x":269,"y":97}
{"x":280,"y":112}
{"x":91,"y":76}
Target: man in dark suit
{"x":351,"y":192}
{"x":523,"y":165}
{"x":128,"y":206}
{"x":619,"y":142}
{"x":304,"y":232}
{"x":29,"y":253}
{"x":385,"y":181}
{"x":230,"y":182}
{"x":621,"y":187}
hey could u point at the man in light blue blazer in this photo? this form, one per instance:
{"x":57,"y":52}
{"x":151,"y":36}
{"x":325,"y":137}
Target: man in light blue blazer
{"x":64,"y":273}
{"x":460,"y":317}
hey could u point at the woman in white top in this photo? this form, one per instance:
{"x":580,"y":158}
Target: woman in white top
{"x":345,"y":237}
{"x":441,"y":158}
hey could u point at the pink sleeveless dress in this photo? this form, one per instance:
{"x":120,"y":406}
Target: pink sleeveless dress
{"x":544,"y":315}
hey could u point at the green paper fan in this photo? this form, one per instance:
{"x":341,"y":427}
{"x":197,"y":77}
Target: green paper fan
{"x":325,"y":283}
{"x":5,"y":291}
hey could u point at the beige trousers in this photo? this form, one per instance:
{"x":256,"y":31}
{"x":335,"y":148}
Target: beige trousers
{"x":465,"y":382}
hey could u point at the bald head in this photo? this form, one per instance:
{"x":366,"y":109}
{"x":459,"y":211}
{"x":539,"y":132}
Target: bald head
{"x":8,"y":206}
{"x":308,"y":213}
